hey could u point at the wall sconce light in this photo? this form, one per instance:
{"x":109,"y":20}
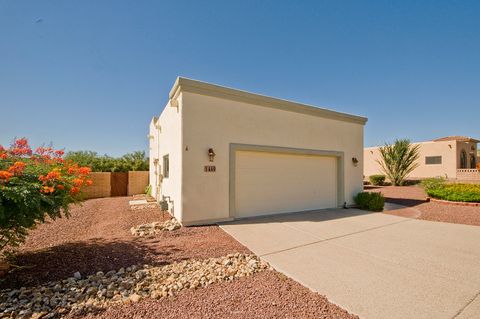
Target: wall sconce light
{"x":355,"y":161}
{"x":211,"y":154}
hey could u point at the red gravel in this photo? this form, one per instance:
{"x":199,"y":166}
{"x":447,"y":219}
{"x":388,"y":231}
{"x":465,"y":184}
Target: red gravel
{"x":264,"y":295}
{"x":97,"y":237}
{"x":414,"y":196}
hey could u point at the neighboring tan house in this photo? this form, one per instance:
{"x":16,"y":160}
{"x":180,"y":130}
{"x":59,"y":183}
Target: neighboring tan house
{"x":452,"y":157}
{"x":218,"y":154}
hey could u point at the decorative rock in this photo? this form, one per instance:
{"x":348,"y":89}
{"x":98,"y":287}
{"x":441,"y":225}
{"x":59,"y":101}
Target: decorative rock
{"x":77,"y":275}
{"x":135,"y":298}
{"x":155,"y":228}
{"x":57,"y":299}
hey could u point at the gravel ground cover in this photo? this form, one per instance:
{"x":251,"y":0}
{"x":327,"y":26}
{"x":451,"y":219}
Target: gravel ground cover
{"x":97,"y":240}
{"x":415,"y":197}
{"x":82,"y":295}
{"x":97,"y":237}
{"x":267,"y":294}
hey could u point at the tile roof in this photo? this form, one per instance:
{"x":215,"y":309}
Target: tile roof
{"x":457,"y":138}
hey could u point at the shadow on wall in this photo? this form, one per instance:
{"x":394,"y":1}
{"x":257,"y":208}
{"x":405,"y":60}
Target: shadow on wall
{"x":61,"y":262}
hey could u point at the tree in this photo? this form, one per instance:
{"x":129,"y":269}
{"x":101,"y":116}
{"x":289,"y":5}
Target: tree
{"x":136,"y":161}
{"x":34,"y":185}
{"x":398,"y":160}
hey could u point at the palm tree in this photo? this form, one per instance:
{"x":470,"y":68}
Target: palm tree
{"x":398,"y":160}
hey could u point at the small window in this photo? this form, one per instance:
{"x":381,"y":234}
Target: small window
{"x":430,"y":160}
{"x":166,"y":166}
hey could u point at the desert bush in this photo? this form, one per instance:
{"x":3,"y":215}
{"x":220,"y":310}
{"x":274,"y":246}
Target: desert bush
{"x":399,"y":159}
{"x":433,"y":183}
{"x":456,"y":192}
{"x":377,"y":180}
{"x":370,"y":201}
{"x":34,"y":185}
{"x":148,"y":190}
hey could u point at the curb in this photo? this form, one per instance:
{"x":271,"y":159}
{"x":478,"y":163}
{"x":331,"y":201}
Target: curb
{"x":447,"y":202}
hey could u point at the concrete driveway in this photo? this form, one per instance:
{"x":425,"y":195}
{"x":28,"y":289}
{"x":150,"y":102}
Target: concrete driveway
{"x":372,"y":264}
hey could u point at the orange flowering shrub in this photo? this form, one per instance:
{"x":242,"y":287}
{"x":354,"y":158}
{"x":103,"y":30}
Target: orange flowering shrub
{"x":34,"y":185}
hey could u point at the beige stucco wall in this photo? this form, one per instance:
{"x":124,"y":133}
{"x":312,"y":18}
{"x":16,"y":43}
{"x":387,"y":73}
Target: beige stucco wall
{"x":449,"y":150}
{"x":166,"y":138}
{"x":211,"y":122}
{"x":153,"y":155}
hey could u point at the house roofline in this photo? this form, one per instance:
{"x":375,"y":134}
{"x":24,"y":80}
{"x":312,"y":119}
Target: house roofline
{"x":198,"y":87}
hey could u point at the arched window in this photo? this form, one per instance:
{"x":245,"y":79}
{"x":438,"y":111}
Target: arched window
{"x":473,"y":161}
{"x":463,"y":159}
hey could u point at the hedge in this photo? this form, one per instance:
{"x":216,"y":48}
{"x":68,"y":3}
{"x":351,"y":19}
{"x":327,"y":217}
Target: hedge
{"x":370,"y":201}
{"x":456,"y":192}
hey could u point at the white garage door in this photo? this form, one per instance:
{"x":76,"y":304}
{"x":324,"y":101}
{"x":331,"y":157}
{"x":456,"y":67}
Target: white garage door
{"x":270,"y":183}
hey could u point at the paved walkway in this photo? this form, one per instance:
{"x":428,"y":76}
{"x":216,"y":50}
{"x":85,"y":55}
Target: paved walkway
{"x":372,"y":264}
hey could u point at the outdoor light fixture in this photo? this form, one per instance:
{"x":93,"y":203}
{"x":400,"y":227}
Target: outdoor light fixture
{"x":355,"y":161}
{"x":211,"y":154}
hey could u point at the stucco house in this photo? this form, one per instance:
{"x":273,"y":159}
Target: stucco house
{"x":219,"y":154}
{"x":452,"y":157}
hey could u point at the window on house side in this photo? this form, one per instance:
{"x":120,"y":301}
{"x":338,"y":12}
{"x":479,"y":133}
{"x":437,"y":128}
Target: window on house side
{"x":166,"y":166}
{"x":430,"y":160}
{"x":463,"y":159}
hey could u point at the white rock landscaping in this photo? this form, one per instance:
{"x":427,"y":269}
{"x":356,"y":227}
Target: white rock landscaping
{"x":155,"y":227}
{"x":123,"y":286}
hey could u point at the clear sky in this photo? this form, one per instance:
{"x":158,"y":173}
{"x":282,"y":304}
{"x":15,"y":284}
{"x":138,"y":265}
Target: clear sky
{"x":91,"y":74}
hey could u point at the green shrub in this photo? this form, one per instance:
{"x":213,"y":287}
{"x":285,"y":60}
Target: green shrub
{"x":377,"y":180}
{"x":456,"y":192}
{"x":148,"y":190}
{"x":433,"y":183}
{"x":35,"y":185}
{"x":136,"y":161}
{"x":370,"y":201}
{"x":399,"y":159}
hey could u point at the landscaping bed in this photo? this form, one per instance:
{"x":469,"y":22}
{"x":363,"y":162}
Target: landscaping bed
{"x":468,"y":193}
{"x":97,"y":237}
{"x":267,"y":294}
{"x":416,"y":198}
{"x":96,"y":246}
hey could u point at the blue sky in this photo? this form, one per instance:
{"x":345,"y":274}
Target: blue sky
{"x":91,"y":74}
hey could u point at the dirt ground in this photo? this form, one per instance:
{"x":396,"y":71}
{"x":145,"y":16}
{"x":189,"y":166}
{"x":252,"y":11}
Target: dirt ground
{"x":96,"y":237}
{"x":415,"y":197}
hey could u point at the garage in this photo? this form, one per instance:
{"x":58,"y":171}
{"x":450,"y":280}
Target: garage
{"x":218,"y":154}
{"x":275,"y":182}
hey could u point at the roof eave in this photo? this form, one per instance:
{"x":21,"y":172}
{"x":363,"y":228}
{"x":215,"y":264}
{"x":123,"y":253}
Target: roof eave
{"x":203,"y":88}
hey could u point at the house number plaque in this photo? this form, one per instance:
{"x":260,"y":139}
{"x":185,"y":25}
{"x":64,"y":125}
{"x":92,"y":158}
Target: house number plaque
{"x":209,"y":168}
